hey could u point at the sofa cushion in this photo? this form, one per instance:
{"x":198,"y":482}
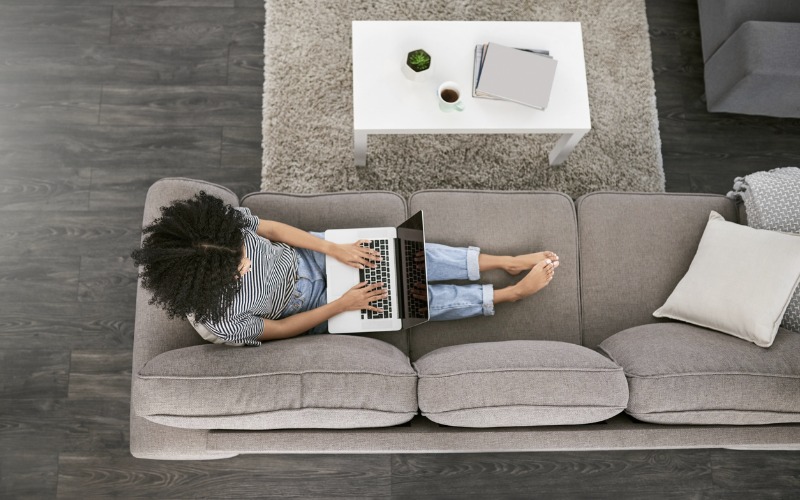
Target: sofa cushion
{"x":519,"y":383}
{"x":318,"y":212}
{"x":317,"y":381}
{"x":505,"y":223}
{"x":684,"y":374}
{"x":634,"y":248}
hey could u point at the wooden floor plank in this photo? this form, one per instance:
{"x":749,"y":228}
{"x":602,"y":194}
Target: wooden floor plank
{"x":120,"y":188}
{"x":535,"y":494}
{"x":241,"y":148}
{"x":557,"y":473}
{"x":268,"y":476}
{"x":68,"y":325}
{"x":25,"y":278}
{"x":194,"y":26}
{"x":64,"y":238}
{"x":107,"y":278}
{"x":127,"y":148}
{"x":54,"y":188}
{"x":249,"y":3}
{"x":27,"y":474}
{"x":100,"y":374}
{"x":753,"y":470}
{"x":750,"y":494}
{"x":27,"y":374}
{"x":73,"y":64}
{"x":246,"y":65}
{"x":124,"y":3}
{"x":24,"y":24}
{"x":36,"y":103}
{"x":96,"y":427}
{"x":179,"y":106}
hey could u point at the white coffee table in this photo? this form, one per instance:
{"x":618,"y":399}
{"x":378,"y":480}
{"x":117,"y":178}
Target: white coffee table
{"x":386,"y":102}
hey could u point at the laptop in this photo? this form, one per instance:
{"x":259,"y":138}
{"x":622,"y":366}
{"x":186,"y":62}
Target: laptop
{"x":398,"y":269}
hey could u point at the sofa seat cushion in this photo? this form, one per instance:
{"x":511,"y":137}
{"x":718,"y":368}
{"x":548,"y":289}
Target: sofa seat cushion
{"x":519,"y":383}
{"x":683,"y":374}
{"x":320,"y":381}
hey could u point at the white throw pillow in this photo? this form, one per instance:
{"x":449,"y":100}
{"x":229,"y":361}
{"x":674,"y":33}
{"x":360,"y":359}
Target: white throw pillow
{"x":740,"y":281}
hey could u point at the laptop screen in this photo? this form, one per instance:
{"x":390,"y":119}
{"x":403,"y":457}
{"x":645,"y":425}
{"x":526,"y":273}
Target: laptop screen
{"x":414,"y":281}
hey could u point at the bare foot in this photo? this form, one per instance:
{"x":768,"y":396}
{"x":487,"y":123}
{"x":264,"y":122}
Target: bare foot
{"x":528,"y":261}
{"x":538,"y":278}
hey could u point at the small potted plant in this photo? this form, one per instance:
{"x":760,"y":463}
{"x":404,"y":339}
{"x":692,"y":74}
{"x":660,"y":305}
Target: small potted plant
{"x":417,"y":66}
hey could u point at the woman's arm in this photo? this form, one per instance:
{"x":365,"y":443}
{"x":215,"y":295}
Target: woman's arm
{"x":351,"y":254}
{"x":284,"y":233}
{"x":358,"y":297}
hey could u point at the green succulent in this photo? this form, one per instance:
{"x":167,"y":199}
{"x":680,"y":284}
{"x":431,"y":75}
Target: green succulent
{"x":418,"y":60}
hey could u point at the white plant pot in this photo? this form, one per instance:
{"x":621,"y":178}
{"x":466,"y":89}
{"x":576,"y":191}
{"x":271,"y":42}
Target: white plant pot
{"x":417,"y":76}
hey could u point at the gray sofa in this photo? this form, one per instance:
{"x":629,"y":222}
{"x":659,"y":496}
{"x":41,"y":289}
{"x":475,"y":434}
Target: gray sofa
{"x":582,"y":365}
{"x":751,"y":56}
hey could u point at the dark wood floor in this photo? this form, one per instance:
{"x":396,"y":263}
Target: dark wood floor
{"x":100,"y":98}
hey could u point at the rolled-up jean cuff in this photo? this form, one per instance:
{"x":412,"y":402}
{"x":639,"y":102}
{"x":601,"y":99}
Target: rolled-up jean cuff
{"x":473,"y":265}
{"x":488,"y":300}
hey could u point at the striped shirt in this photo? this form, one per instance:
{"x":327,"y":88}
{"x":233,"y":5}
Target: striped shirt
{"x":265,"y":291}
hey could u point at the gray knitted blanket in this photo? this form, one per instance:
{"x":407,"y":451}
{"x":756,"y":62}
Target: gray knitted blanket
{"x":772,"y":201}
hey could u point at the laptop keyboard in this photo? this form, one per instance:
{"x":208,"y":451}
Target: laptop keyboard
{"x":378,"y":274}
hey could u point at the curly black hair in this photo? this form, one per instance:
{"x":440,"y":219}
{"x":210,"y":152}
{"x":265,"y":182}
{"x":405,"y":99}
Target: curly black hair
{"x":190,"y":257}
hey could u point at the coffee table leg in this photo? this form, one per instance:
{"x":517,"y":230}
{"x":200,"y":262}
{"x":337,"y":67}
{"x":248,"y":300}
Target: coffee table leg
{"x":360,"y":147}
{"x":566,"y":143}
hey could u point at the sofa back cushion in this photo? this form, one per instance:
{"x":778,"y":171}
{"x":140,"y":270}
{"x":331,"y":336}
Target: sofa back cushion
{"x":634,"y":249}
{"x":505,"y":223}
{"x":318,"y":212}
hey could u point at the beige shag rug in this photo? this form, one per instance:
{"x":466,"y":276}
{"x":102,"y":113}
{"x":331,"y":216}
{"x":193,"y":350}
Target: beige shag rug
{"x":308,"y":116}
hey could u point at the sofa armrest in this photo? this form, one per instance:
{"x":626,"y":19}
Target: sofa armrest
{"x":155,"y":333}
{"x":165,"y":191}
{"x":719,"y":19}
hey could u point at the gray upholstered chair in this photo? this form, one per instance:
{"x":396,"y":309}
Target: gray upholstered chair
{"x":752,"y":64}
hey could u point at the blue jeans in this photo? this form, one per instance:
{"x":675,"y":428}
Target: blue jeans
{"x":443,"y":263}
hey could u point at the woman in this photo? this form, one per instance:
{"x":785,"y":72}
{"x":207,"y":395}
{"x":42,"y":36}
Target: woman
{"x":249,"y":280}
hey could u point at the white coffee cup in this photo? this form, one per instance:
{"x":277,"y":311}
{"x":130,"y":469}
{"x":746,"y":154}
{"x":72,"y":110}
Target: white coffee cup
{"x":449,"y":95}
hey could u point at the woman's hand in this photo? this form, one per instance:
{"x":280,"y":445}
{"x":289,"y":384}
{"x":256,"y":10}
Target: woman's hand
{"x":361,"y":296}
{"x":355,"y":254}
{"x":357,"y":298}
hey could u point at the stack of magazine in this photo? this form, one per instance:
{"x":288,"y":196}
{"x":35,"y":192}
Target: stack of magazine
{"x":524,"y":76}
